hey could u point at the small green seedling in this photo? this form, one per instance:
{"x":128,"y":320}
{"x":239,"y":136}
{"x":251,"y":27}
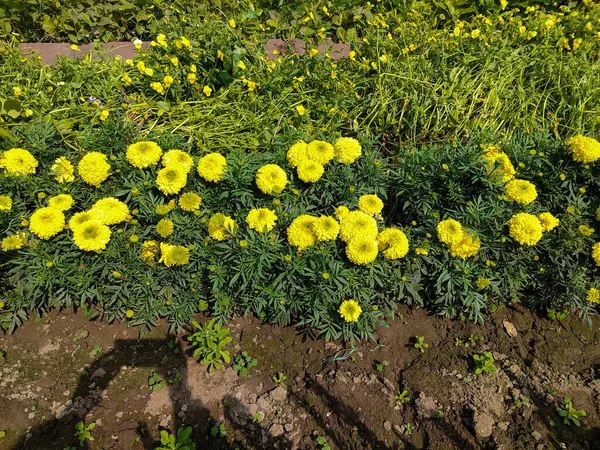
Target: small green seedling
{"x":84,"y":433}
{"x":420,"y":343}
{"x":280,"y":379}
{"x":401,"y":398}
{"x":570,"y":414}
{"x":258,"y":418}
{"x":438,"y":415}
{"x":558,"y":315}
{"x":382,"y":365}
{"x":210,"y":341}
{"x":155,"y":382}
{"x":243,"y":363}
{"x":218,"y":430}
{"x":485,"y":363}
{"x":408,"y":429}
{"x":521,"y":402}
{"x":323,"y":443}
{"x":180,"y":442}
{"x":95,"y":351}
{"x":175,"y":379}
{"x":2,"y":434}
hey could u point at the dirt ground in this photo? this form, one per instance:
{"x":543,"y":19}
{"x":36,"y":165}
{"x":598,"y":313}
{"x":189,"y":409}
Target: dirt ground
{"x":62,"y":368}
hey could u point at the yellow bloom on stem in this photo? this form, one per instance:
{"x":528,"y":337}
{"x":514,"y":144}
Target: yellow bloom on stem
{"x":593,"y":296}
{"x":584,"y":149}
{"x":165,"y":209}
{"x":149,"y":251}
{"x":548,"y":221}
{"x":596,"y":253}
{"x":297,"y":153}
{"x":47,"y":222}
{"x":347,"y":150}
{"x":178,"y":158}
{"x":261,"y":219}
{"x":393,"y":243}
{"x":525,"y":228}
{"x":482,"y":283}
{"x":467,"y":247}
{"x":190,"y":201}
{"x":168,"y":81}
{"x":80,"y":218}
{"x":499,"y":166}
{"x":300,"y":233}
{"x":174,"y":255}
{"x":421,"y":251}
{"x":143,"y":154}
{"x":370,"y":204}
{"x":212,"y":167}
{"x":362,"y":250}
{"x":14,"y":242}
{"x":94,"y":168}
{"x":165,"y":227}
{"x":310,"y":171}
{"x":110,"y":211}
{"x":320,"y":151}
{"x":357,"y":224}
{"x":271,"y":179}
{"x":5,"y":203}
{"x":341,"y":212}
{"x":171,"y":179}
{"x":62,"y":202}
{"x":326,"y":228}
{"x":450,"y":231}
{"x":63,"y":170}
{"x":585,"y":231}
{"x":191,"y":77}
{"x":350,"y":310}
{"x":521,"y":191}
{"x":207,"y":91}
{"x":221,"y":227}
{"x":18,"y":161}
{"x":91,"y":236}
{"x":300,"y":109}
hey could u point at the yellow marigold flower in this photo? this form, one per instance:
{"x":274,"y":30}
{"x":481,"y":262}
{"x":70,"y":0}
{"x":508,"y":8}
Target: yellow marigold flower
{"x":548,"y":221}
{"x":261,"y":219}
{"x":158,"y":87}
{"x":17,"y":91}
{"x":393,"y":243}
{"x":421,"y":251}
{"x":174,"y":255}
{"x":168,"y":81}
{"x":482,"y":283}
{"x":62,"y":202}
{"x":18,"y":161}
{"x":14,"y":242}
{"x":350,"y":310}
{"x":450,"y":231}
{"x":525,"y":228}
{"x":241,"y":65}
{"x":178,"y":158}
{"x":171,"y":179}
{"x":521,"y":191}
{"x":326,"y":228}
{"x":310,"y":171}
{"x":129,"y":313}
{"x":341,"y":211}
{"x":499,"y":166}
{"x":149,"y":251}
{"x":596,"y":253}
{"x":467,"y":247}
{"x":110,"y":211}
{"x":5,"y":203}
{"x":47,"y":222}
{"x":91,"y":236}
{"x":207,"y":91}
{"x":584,"y":149}
{"x":80,"y":218}
{"x":148,"y":71}
{"x":297,"y":153}
{"x":347,"y":150}
{"x":271,"y":179}
{"x":370,"y":204}
{"x":300,"y":232}
{"x":362,"y":250}
{"x":585,"y":231}
{"x":300,"y":109}
{"x":63,"y":170}
{"x":165,"y":227}
{"x":94,"y":168}
{"x":312,"y":52}
{"x":163,"y":210}
{"x":143,"y":154}
{"x":104,"y":114}
{"x":220,"y":227}
{"x":593,"y":296}
{"x":232,"y":23}
{"x":212,"y":167}
{"x":191,"y":77}
{"x":320,"y":151}
{"x":357,"y":224}
{"x":190,"y":201}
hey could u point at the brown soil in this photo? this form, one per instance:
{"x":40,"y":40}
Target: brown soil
{"x":49,"y":381}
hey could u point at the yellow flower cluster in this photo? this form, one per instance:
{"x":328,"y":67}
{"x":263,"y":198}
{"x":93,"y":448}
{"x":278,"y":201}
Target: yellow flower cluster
{"x":271,"y":179}
{"x":347,"y":150}
{"x":596,"y":253}
{"x":370,"y":204}
{"x":171,"y":179}
{"x":18,"y":161}
{"x":593,"y":296}
{"x":94,"y":168}
{"x":5,"y":203}
{"x":212,"y":167}
{"x":14,"y":242}
{"x":63,"y":170}
{"x":393,"y":243}
{"x":143,"y":154}
{"x":174,"y":255}
{"x":525,"y":228}
{"x":499,"y":166}
{"x":220,"y":227}
{"x":190,"y":201}
{"x":261,"y":219}
{"x":584,"y":149}
{"x":62,"y":202}
{"x":47,"y":222}
{"x":91,"y":236}
{"x":548,"y":221}
{"x":165,"y":227}
{"x":462,"y":243}
{"x":521,"y":191}
{"x":350,"y":310}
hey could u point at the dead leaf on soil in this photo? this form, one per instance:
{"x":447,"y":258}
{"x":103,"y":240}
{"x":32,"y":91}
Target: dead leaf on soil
{"x":510,"y":329}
